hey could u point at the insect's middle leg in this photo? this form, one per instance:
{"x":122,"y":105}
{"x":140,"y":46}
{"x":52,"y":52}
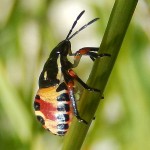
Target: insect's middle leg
{"x":74,"y":75}
{"x":89,"y":51}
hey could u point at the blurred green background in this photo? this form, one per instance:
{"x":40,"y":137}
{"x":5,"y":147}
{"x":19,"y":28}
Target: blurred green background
{"x":29,"y":30}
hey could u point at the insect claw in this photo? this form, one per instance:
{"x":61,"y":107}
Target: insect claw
{"x":93,"y":90}
{"x":102,"y":97}
{"x":104,"y":54}
{"x":83,"y":121}
{"x":93,"y":118}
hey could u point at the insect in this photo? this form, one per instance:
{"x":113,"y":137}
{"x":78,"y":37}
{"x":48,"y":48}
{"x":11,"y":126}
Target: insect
{"x":55,"y":102}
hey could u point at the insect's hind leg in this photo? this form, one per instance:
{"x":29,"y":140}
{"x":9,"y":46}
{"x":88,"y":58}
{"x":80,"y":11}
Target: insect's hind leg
{"x":73,"y":100}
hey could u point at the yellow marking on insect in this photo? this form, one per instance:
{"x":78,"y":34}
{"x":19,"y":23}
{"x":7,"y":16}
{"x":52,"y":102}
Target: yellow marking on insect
{"x":49,"y":94}
{"x":39,"y":113}
{"x":59,"y":74}
{"x":45,"y":75}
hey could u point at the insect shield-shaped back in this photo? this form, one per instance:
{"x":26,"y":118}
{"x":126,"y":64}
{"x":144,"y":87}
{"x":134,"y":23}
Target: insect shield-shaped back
{"x":55,"y":101}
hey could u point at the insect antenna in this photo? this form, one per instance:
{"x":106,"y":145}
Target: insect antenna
{"x":83,"y":27}
{"x":74,"y":24}
{"x":92,"y":21}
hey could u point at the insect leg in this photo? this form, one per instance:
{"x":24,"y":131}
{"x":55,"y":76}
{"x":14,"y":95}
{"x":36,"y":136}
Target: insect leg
{"x":90,"y":51}
{"x":72,"y":98}
{"x":74,"y":75}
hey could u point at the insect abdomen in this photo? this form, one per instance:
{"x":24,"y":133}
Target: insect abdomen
{"x":53,"y":110}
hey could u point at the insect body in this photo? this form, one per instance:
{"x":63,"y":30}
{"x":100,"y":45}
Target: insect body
{"x":55,"y":102}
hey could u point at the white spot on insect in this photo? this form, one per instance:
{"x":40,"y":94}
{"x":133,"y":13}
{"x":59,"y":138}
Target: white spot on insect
{"x":60,"y":117}
{"x":45,"y":75}
{"x":58,"y":62}
{"x":60,"y":76}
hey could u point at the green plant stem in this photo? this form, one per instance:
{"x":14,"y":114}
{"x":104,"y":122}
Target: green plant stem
{"x":117,"y":26}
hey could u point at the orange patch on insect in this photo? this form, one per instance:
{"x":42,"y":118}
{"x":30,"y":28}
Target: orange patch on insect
{"x":49,"y":94}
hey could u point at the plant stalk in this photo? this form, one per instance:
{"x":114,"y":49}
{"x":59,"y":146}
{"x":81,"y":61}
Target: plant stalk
{"x":115,"y":32}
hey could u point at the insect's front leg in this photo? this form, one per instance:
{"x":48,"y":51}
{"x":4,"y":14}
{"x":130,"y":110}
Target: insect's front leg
{"x":89,"y":51}
{"x":70,"y":85}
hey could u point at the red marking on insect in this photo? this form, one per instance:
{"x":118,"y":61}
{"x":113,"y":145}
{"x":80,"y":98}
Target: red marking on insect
{"x":47,"y":109}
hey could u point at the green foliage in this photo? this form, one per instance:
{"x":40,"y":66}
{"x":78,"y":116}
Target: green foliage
{"x":28,"y":33}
